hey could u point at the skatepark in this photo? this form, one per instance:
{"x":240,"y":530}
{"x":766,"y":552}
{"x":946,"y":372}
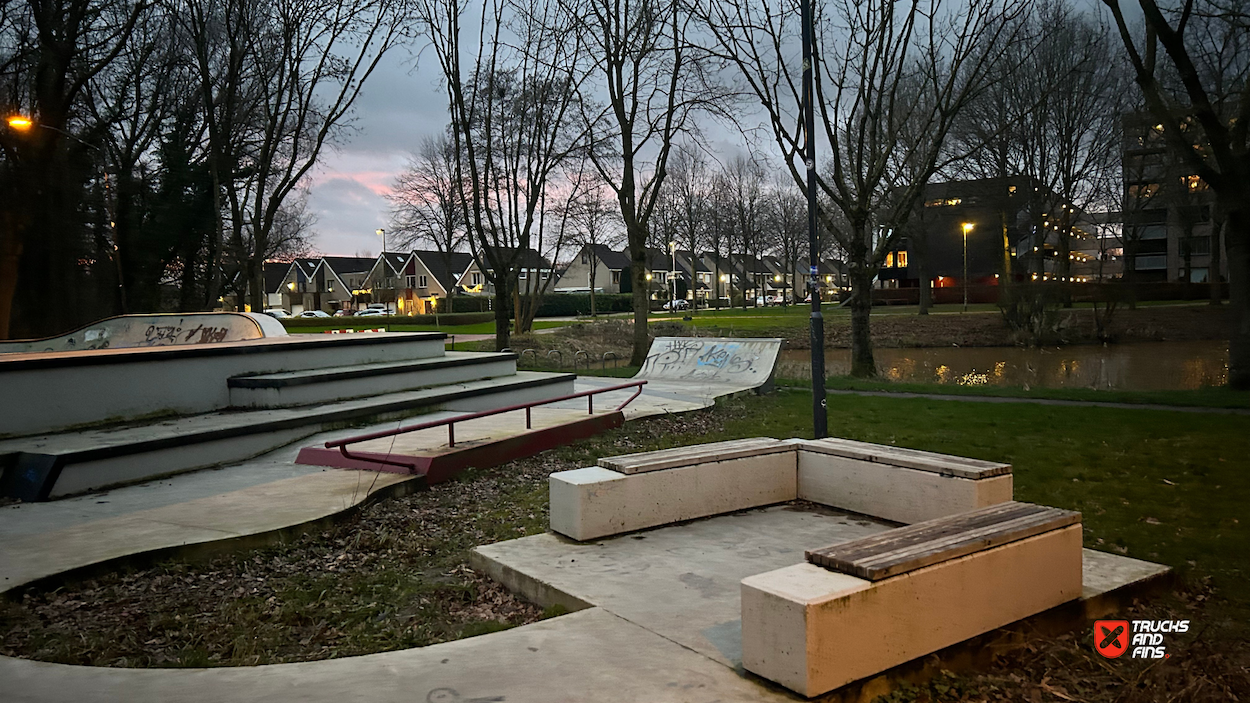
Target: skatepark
{"x":723,"y":571}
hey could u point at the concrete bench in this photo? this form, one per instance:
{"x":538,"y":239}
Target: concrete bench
{"x":638,"y":491}
{"x":894,"y":483}
{"x":862,"y":607}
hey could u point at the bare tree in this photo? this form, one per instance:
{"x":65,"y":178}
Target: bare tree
{"x":685,"y":194}
{"x":595,"y":224}
{"x":426,"y":202}
{"x":513,"y":124}
{"x":50,"y":52}
{"x":1201,"y":97}
{"x":890,"y":79}
{"x":656,"y":83}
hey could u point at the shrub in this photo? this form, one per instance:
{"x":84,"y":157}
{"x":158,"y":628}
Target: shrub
{"x":567,"y":304}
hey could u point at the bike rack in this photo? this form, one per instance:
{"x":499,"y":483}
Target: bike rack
{"x":581,"y":353}
{"x":559,"y":357}
{"x":604,"y":359}
{"x":450,"y":422}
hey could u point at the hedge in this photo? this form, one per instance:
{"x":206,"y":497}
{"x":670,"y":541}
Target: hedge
{"x":567,"y":304}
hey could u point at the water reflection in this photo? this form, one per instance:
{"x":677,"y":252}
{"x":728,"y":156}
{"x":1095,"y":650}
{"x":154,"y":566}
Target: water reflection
{"x":1144,"y":366}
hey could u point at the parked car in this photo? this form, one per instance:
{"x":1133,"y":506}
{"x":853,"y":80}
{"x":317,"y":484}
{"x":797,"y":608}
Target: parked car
{"x":676,"y":305}
{"x":342,"y":312}
{"x":277,"y":312}
{"x":372,"y":312}
{"x":314,"y":313}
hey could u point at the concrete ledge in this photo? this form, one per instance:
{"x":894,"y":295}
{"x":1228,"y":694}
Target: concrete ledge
{"x":635,"y":491}
{"x":893,"y":492}
{"x":596,"y":502}
{"x":813,"y":630}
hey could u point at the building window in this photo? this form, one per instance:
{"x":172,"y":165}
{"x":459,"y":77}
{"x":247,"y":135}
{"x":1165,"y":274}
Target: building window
{"x":477,"y":279}
{"x":889,"y":260}
{"x":423,"y":281}
{"x":546,"y":275}
{"x":662,"y":276}
{"x":523,"y":274}
{"x":1143,"y":190}
{"x":410,"y":281}
{"x":1152,"y":232}
{"x":616,"y":278}
{"x":901,"y":260}
{"x":1195,"y":183}
{"x":329,"y":286}
{"x":1152,"y":262}
{"x":943,"y":202}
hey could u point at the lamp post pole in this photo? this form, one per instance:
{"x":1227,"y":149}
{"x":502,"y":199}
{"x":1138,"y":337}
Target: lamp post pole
{"x":382,"y":233}
{"x":820,"y":421}
{"x":967,"y":229}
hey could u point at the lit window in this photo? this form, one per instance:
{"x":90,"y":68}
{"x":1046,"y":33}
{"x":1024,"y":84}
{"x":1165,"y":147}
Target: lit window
{"x":329,"y":286}
{"x":1143,"y":190}
{"x":902,"y":260}
{"x":889,"y":260}
{"x":1195,"y":183}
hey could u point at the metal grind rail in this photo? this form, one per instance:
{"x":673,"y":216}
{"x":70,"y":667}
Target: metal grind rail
{"x":450,"y":422}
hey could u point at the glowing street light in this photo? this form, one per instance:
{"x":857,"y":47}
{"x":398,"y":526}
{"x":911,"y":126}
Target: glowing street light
{"x":22,"y":123}
{"x":967,"y":228}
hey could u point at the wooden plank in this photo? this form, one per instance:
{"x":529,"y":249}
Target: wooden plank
{"x":944,"y":464}
{"x":695,"y":454}
{"x":934,"y":541}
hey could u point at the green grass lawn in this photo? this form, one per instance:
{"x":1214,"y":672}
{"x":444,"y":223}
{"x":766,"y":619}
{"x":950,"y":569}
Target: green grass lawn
{"x":1220,"y":397}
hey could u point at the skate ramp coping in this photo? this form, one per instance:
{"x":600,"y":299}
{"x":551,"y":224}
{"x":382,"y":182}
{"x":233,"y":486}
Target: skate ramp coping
{"x":740,"y":363}
{"x":155,"y":330}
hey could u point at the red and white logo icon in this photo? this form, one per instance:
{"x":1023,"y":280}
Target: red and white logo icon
{"x":1111,"y":637}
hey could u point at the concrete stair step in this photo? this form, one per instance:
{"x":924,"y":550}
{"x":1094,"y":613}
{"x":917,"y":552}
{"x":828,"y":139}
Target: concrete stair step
{"x":304,"y":387}
{"x":59,"y":465}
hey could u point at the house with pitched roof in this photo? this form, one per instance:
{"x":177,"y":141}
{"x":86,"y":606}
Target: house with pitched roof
{"x":596,"y":266}
{"x":533,"y":273}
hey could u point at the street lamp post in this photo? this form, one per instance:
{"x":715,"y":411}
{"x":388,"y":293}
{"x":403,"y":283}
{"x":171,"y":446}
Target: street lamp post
{"x":382,"y":233}
{"x":967,"y":228}
{"x":672,"y":251}
{"x":820,"y":420}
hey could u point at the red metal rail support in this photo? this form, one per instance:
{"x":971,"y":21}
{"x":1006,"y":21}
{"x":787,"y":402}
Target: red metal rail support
{"x":450,"y":422}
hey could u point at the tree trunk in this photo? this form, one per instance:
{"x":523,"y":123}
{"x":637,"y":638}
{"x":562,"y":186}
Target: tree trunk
{"x":862,"y":363}
{"x":503,"y":323}
{"x":638,"y":276}
{"x":1238,"y":242}
{"x":1213,"y":268}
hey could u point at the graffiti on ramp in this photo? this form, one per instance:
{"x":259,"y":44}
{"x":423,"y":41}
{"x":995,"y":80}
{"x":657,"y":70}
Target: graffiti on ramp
{"x":737,"y":362}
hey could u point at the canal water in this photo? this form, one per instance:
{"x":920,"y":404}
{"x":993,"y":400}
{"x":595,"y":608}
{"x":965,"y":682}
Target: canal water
{"x":1144,"y":366}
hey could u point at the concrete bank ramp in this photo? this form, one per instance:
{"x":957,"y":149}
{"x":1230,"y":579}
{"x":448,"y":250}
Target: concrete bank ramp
{"x":741,"y":363}
{"x":155,"y":330}
{"x":690,"y":373}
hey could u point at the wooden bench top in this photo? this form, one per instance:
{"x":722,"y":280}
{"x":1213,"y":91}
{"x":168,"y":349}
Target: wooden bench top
{"x":905,"y":549}
{"x":695,"y":454}
{"x":944,"y":464}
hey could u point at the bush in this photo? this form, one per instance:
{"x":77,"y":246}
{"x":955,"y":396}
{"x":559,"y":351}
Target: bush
{"x":466,"y":303}
{"x":568,"y":304}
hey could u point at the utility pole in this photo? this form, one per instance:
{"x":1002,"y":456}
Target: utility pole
{"x":820,"y":421}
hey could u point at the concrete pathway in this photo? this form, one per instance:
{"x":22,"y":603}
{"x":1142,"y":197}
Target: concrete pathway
{"x":1045,"y":401}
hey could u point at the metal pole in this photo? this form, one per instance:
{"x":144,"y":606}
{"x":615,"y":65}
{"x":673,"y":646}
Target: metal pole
{"x":820,"y":422}
{"x":965,"y":269}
